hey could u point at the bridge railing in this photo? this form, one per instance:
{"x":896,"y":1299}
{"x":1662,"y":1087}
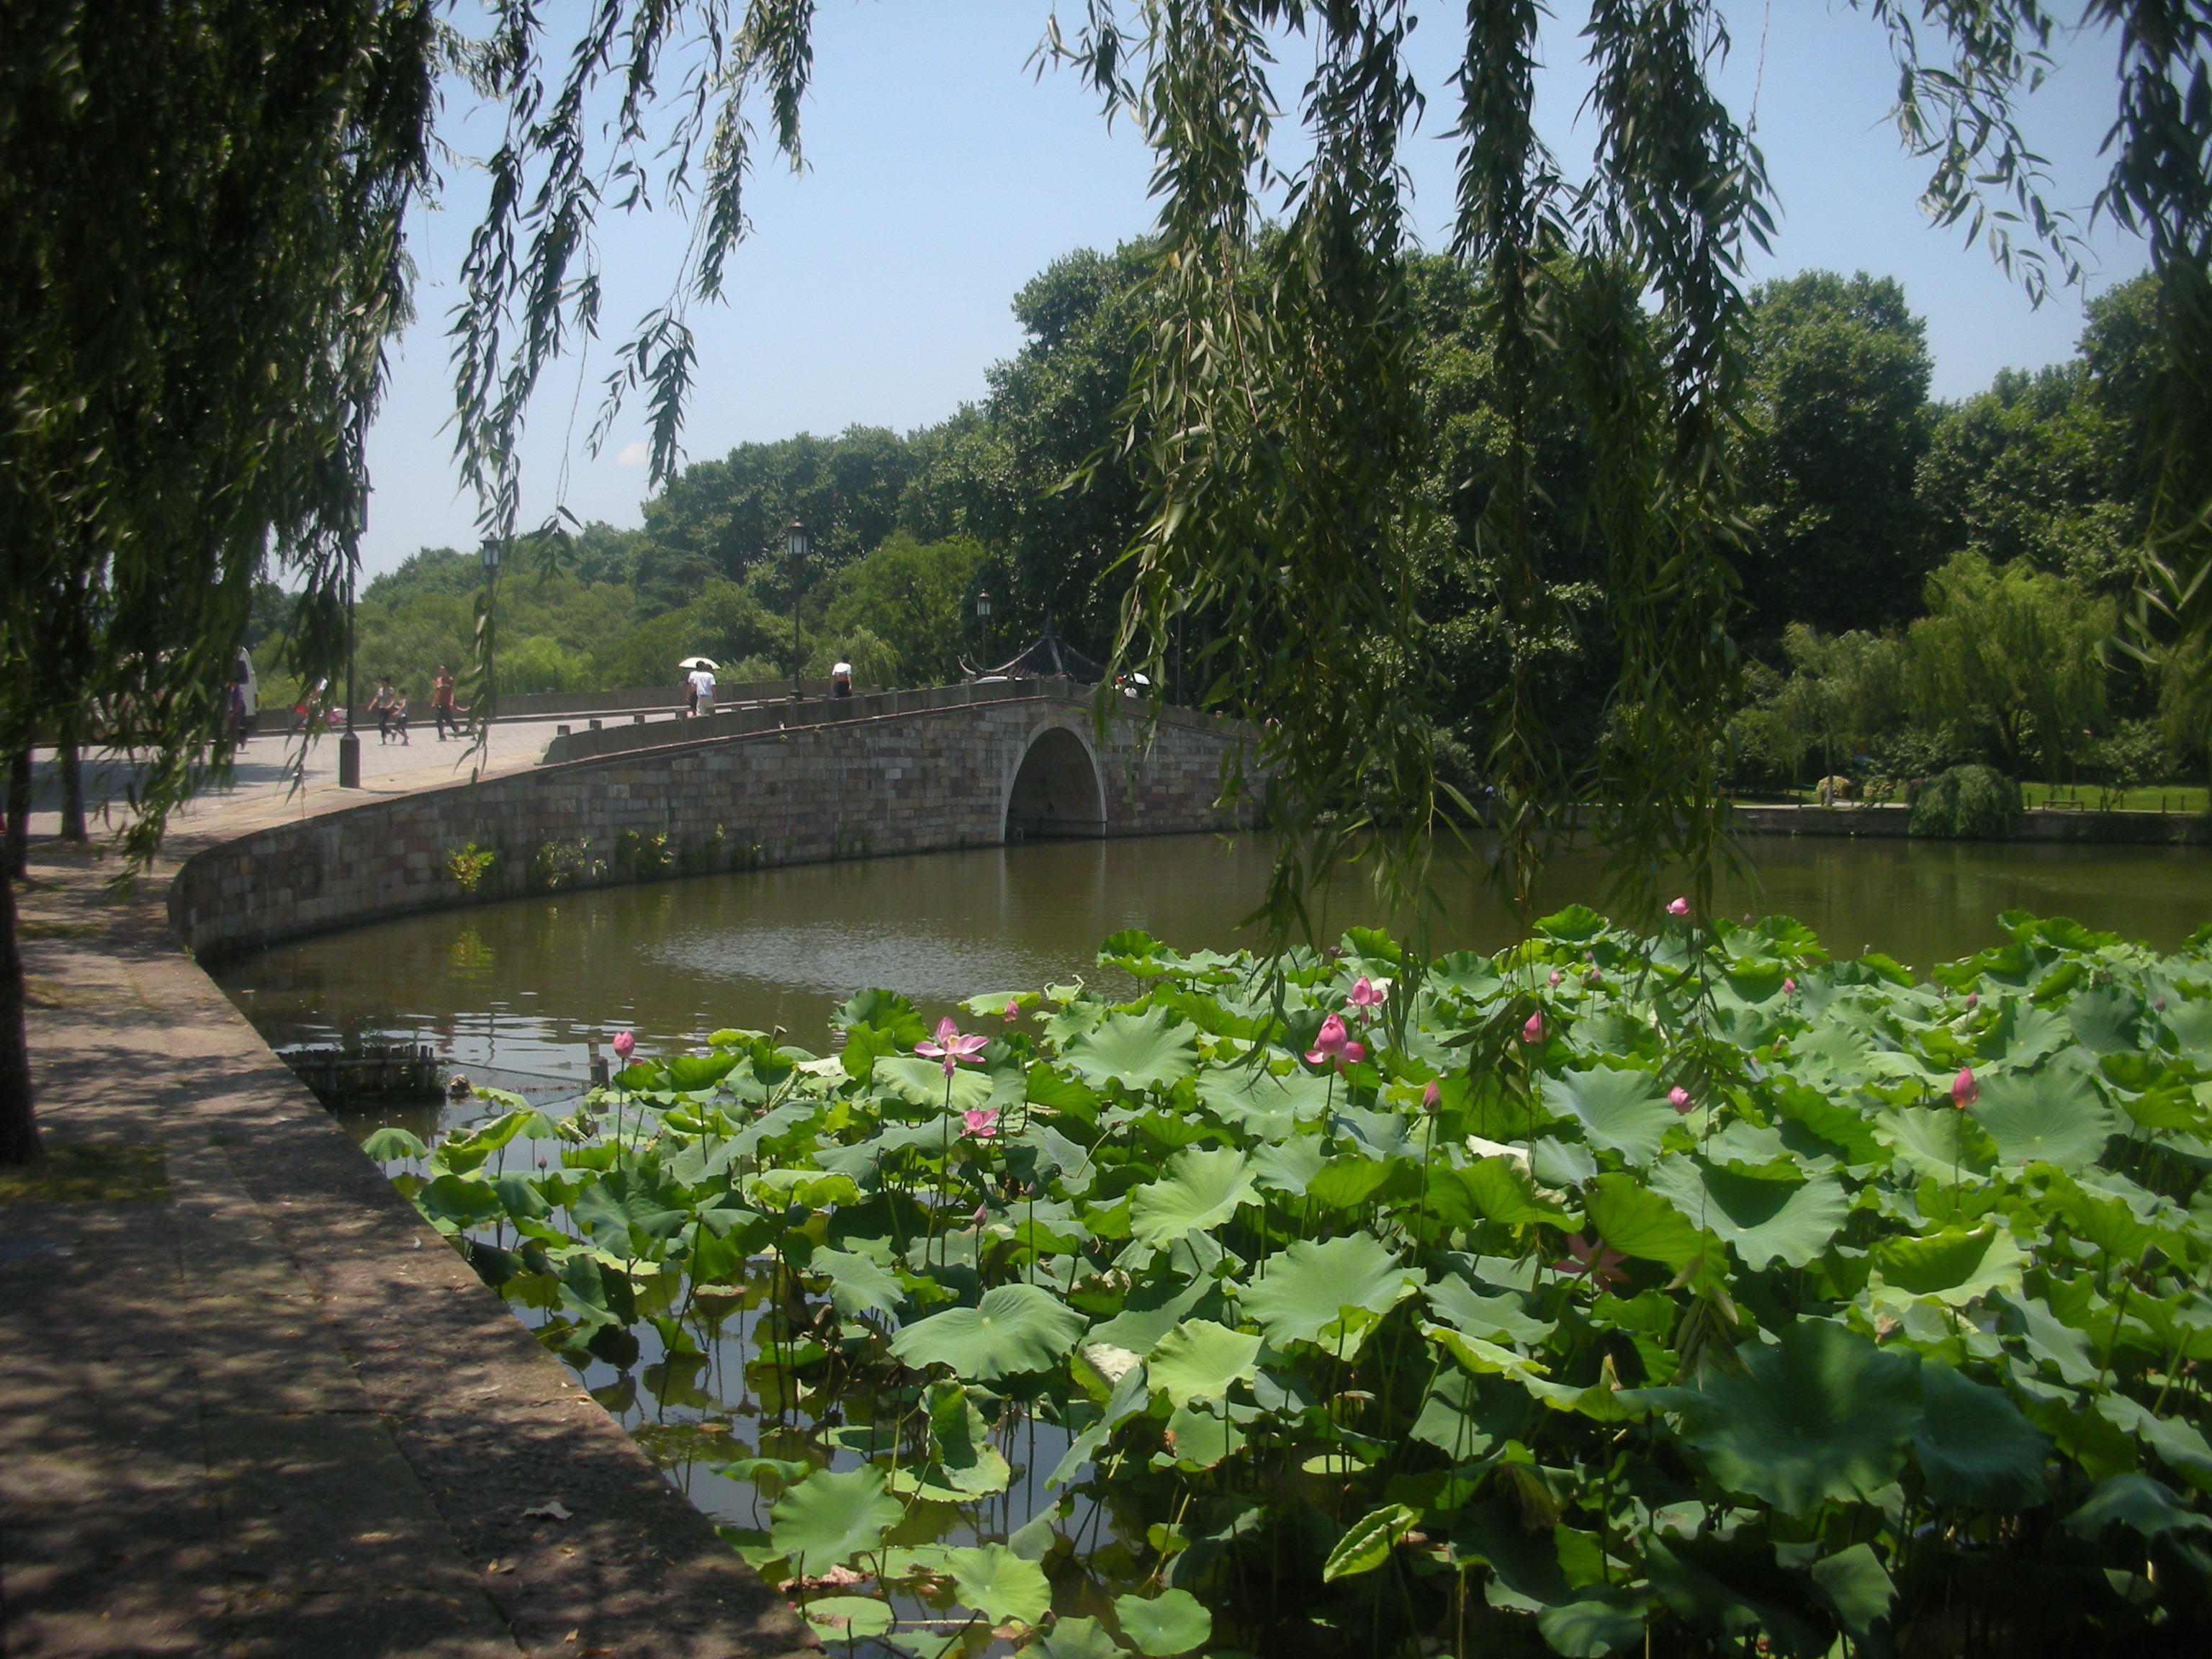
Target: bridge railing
{"x":725,"y":724}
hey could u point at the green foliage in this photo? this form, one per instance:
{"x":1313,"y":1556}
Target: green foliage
{"x":913,"y":600}
{"x":2012,"y":654}
{"x":1838,"y":385}
{"x":1822,"y":1356}
{"x":1967,"y":803}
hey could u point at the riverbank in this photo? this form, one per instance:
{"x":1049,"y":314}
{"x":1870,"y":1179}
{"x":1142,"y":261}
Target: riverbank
{"x":257,"y":1407}
{"x":2044,"y":824}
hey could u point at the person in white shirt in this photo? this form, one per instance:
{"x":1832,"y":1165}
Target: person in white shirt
{"x":841,"y":679}
{"x":702,"y":690}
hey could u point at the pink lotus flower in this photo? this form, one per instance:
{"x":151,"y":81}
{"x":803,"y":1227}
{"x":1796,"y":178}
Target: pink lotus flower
{"x":1013,"y":1011}
{"x":1534,"y":1030}
{"x":951,"y":1046}
{"x":1555,"y":976}
{"x":2161,"y":1004}
{"x":1680,"y":907}
{"x":1599,"y":1262}
{"x":1973,"y":998}
{"x":1789,"y":987}
{"x":1333,"y":1042}
{"x":978,"y":1217}
{"x":982,"y":1123}
{"x":1432,"y":1097}
{"x":1367,"y":996}
{"x":1678,"y":1098}
{"x":1964,"y":1092}
{"x":625,"y":1045}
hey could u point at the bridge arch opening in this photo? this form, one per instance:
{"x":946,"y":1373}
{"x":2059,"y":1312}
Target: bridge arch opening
{"x":1057,"y":793}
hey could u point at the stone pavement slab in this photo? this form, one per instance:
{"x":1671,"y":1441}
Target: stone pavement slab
{"x":273,"y":1413}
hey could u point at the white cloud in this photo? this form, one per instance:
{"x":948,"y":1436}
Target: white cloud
{"x":633,"y":455}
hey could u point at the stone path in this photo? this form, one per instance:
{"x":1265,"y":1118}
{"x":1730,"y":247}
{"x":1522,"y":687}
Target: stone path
{"x":274,"y":1414}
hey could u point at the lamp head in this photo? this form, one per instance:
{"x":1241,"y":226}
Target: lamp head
{"x":796,"y":541}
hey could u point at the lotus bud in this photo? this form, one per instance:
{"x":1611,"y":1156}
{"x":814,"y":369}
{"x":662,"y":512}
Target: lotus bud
{"x":1678,"y":1098}
{"x":1534,"y":1030}
{"x":1680,"y":907}
{"x":1432,"y":1096}
{"x":1964,"y":1092}
{"x":1789,"y":987}
{"x":625,"y":1045}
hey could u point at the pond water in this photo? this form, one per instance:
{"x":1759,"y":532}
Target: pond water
{"x":512,"y":992}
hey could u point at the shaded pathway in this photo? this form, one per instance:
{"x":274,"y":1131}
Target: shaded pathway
{"x":273,"y":1413}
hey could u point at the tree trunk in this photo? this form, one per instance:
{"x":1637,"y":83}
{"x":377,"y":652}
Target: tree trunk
{"x":18,"y":853}
{"x":70,"y":764}
{"x":19,"y":1124}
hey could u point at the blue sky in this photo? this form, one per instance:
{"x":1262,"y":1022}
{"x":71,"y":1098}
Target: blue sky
{"x":942,"y":174}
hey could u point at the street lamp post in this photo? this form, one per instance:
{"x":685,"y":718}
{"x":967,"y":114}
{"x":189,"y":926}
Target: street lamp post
{"x":982,"y":625}
{"x":490,"y":632}
{"x":349,"y":745}
{"x":797,"y":544}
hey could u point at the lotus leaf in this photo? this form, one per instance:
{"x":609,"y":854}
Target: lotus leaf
{"x":1328,"y":1291}
{"x":1638,"y":1222}
{"x":1938,"y":1141}
{"x":2054,"y":1115}
{"x":1857,"y":1590}
{"x":1501,"y":1318}
{"x":1172,"y":1622}
{"x":1000,"y":1584}
{"x":1823,"y":1414}
{"x":857,"y":1618}
{"x":1495,"y":1188}
{"x":1953,"y":1266}
{"x":1765,"y":1220}
{"x":1976,"y":1450}
{"x":1201,"y":1360}
{"x":1734,"y":1587}
{"x":1368,"y":1541}
{"x":1152,"y":1309}
{"x":830,"y":1517}
{"x":1262,"y":1103}
{"x":452,"y":1201}
{"x":1078,"y":1639}
{"x":390,"y":1143}
{"x":923,"y":1082}
{"x":2137,"y":1503}
{"x":1202,"y":1189}
{"x":1138,"y":1051}
{"x":1600,"y":1620}
{"x":1015,"y":1328}
{"x":1624,"y":1111}
{"x":1286,"y":1166}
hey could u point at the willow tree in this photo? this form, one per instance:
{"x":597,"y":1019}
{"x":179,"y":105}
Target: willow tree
{"x":203,"y":204}
{"x":206,"y":203}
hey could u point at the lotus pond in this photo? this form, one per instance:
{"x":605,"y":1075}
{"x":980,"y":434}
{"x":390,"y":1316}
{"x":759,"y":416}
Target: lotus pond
{"x":1686,"y":1292}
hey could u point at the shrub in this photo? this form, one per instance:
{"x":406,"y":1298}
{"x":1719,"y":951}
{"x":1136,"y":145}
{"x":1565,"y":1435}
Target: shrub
{"x":1967,"y":803}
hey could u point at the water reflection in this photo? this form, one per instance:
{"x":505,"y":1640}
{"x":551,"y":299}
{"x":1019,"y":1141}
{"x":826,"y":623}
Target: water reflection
{"x":522,"y":987}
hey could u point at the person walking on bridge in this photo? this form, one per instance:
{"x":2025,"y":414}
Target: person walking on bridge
{"x":702,"y":689}
{"x":441,"y":702}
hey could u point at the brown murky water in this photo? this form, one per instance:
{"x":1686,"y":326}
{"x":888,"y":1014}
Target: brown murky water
{"x":524,"y":986}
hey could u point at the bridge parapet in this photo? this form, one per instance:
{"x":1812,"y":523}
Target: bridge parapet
{"x":1008,"y":762}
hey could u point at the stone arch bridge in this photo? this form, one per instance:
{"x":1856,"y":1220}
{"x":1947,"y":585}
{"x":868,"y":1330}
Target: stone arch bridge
{"x":901,"y":772}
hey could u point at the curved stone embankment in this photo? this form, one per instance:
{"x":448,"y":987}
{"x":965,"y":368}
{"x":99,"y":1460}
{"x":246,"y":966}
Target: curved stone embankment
{"x":965,"y":774}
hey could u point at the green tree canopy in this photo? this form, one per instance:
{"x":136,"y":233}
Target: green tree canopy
{"x":1838,"y":387}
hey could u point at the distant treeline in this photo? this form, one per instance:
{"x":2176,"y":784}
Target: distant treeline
{"x":1921,"y":581}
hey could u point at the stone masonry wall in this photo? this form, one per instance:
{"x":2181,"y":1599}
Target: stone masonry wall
{"x":903,"y":783}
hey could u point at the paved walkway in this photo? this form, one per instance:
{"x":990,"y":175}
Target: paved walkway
{"x":272,"y":1413}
